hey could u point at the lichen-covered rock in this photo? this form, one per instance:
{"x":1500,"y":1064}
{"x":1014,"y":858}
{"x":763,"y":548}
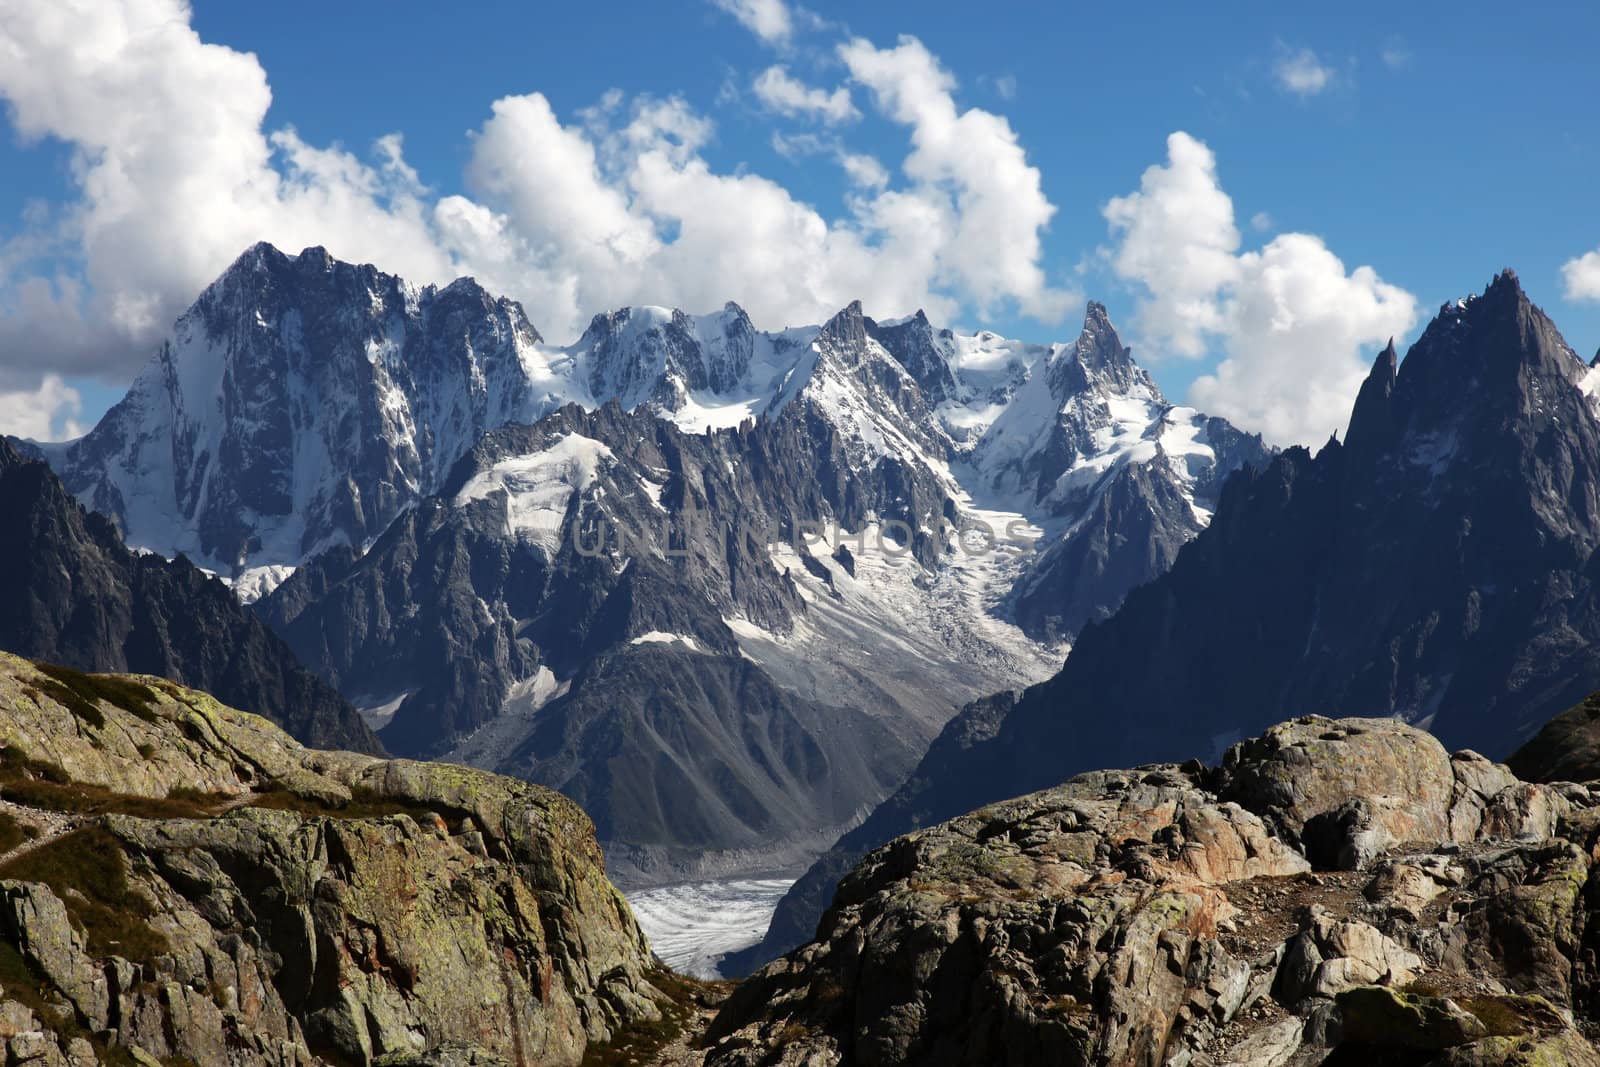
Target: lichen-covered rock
{"x":202,"y":889}
{"x":1311,"y":767}
{"x":1336,"y":892}
{"x":1378,"y":1015}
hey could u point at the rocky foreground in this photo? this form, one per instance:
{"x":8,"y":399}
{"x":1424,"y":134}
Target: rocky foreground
{"x":182,"y":883}
{"x":1337,"y":892}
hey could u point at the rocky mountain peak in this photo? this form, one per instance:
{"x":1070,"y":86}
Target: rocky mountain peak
{"x":847,"y":328}
{"x":1484,"y":364}
{"x":651,"y":355}
{"x":301,"y":402}
{"x":1371,"y":420}
{"x":922,"y":351}
{"x":10,"y":454}
{"x":466,"y":295}
{"x":1097,"y":360}
{"x":729,"y":340}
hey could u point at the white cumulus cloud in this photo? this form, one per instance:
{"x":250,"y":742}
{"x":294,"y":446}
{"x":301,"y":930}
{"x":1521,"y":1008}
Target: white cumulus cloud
{"x":781,"y":92}
{"x":970,"y":170}
{"x":1582,"y":276}
{"x":1296,"y":329}
{"x":176,"y":173}
{"x":863,"y":170}
{"x":47,"y":413}
{"x":176,"y":176}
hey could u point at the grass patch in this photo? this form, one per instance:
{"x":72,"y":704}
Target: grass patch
{"x":88,"y":870}
{"x":12,"y":834}
{"x":197,"y":798}
{"x":1513,"y":1016}
{"x":20,"y":981}
{"x":25,"y":780}
{"x":16,"y":764}
{"x":364,"y":803}
{"x":78,"y":799}
{"x":82,"y":693}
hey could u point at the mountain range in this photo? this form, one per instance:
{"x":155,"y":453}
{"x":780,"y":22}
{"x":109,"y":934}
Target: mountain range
{"x":722,"y":585}
{"x":1438,"y":565}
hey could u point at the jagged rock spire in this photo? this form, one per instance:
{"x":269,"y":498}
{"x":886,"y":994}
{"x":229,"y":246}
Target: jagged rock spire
{"x":1097,"y":353}
{"x":1372,"y":418}
{"x":847,"y":327}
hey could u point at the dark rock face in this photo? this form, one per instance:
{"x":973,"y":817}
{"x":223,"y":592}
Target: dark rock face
{"x":673,"y":752}
{"x":1130,"y":531}
{"x":1567,"y":749}
{"x":76,"y":596}
{"x":1439,"y":565}
{"x":649,"y":355}
{"x":1171,"y":915}
{"x":914,"y":344}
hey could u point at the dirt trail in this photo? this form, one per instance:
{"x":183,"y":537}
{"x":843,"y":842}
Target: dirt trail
{"x":49,"y":824}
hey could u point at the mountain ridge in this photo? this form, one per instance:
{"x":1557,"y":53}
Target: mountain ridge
{"x":78,"y":597}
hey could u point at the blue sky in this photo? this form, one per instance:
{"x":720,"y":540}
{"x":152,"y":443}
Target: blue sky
{"x":1434,"y":143}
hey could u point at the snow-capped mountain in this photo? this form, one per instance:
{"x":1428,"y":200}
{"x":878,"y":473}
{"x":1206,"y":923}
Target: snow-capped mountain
{"x":967,"y":378}
{"x":301,"y":403}
{"x":704,"y":371}
{"x":1088,"y":440}
{"x":1088,"y":408}
{"x":686,"y":570}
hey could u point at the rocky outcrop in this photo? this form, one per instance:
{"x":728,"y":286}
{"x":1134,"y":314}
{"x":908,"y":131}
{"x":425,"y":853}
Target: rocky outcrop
{"x":1333,"y":892}
{"x":183,"y":883}
{"x":76,"y":595}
